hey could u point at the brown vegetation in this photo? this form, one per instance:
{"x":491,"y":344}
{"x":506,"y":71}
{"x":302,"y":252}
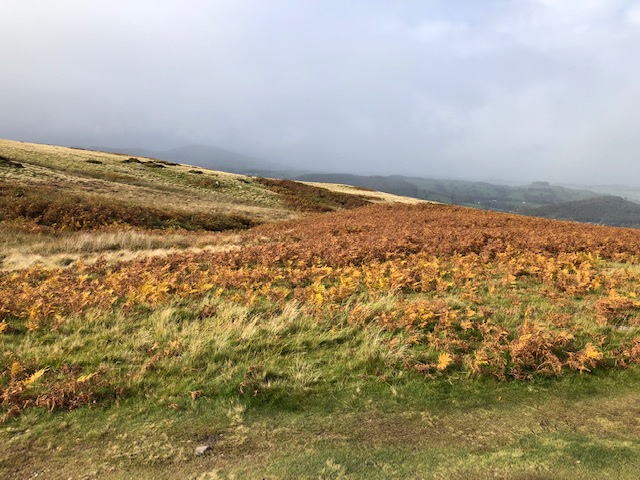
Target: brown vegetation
{"x":464,"y":285}
{"x":308,"y":198}
{"x":67,"y":388}
{"x":50,"y":207}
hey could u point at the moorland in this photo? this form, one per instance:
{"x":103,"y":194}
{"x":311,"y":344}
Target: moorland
{"x":302,"y":330}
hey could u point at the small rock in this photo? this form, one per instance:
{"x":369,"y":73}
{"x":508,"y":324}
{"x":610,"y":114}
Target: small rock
{"x":202,"y":450}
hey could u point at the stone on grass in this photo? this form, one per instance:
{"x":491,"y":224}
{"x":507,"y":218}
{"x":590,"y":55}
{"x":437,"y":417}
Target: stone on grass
{"x":202,"y":450}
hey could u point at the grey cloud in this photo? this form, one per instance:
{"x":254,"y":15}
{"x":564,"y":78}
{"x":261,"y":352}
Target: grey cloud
{"x":535,"y":89}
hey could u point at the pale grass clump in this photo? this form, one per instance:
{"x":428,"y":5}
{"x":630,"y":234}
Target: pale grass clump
{"x":21,"y":251}
{"x":334,"y":471}
{"x":381,"y":197}
{"x":208,"y":334}
{"x":119,"y":240}
{"x":303,"y":374}
{"x":378,"y":348}
{"x":291,"y":318}
{"x":90,"y":242}
{"x":19,"y":261}
{"x":162,"y":325}
{"x":215,"y":474}
{"x":233,"y":316}
{"x":235,"y":412}
{"x":383,"y":303}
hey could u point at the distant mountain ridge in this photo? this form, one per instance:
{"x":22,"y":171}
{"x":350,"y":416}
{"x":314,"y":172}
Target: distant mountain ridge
{"x":462,"y":192}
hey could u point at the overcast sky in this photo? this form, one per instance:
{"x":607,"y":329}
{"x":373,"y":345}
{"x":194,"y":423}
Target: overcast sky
{"x":493,"y":89}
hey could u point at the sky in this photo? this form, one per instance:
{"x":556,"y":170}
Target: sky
{"x":503,"y":90}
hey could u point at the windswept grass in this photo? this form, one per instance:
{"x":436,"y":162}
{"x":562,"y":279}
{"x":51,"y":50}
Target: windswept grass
{"x":279,"y":393}
{"x":174,"y":355}
{"x":23,"y":247}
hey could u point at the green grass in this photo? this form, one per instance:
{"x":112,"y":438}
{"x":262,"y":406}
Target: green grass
{"x":285,"y":395}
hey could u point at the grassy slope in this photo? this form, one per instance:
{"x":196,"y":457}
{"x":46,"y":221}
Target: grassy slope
{"x":281,"y":388}
{"x":60,"y":189}
{"x":174,"y":186}
{"x":144,"y":181}
{"x":333,"y":406}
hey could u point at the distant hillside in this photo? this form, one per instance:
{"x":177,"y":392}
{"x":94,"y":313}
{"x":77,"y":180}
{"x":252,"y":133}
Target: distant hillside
{"x":204,"y":156}
{"x":461,"y":192}
{"x":627,"y":192}
{"x":608,"y":210}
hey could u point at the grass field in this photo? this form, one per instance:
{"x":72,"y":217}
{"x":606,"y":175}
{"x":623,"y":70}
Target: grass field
{"x":384,"y":341}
